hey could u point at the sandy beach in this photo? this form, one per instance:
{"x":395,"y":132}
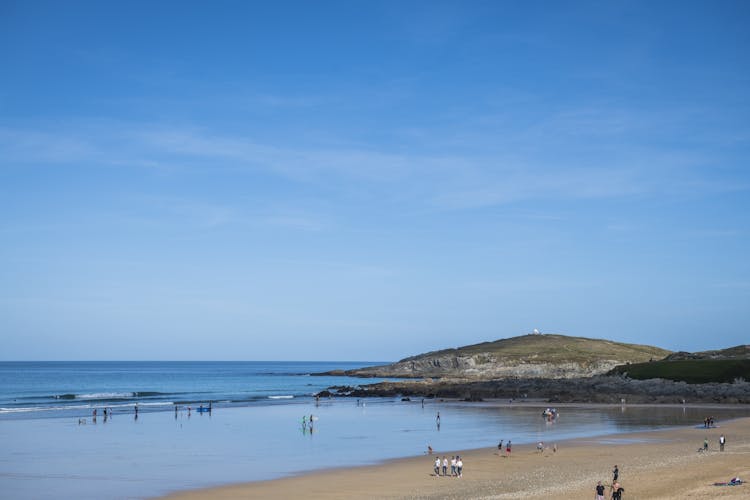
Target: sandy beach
{"x":653,"y":465}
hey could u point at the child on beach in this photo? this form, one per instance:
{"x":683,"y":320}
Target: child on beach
{"x":599,"y":491}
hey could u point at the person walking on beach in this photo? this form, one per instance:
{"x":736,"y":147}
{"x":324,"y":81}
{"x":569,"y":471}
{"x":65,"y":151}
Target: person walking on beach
{"x":500,"y":447}
{"x":507,"y":449}
{"x":445,"y":466}
{"x":722,"y":441}
{"x":437,"y":467}
{"x":617,"y":491}
{"x":599,"y":491}
{"x":615,"y":475}
{"x":705,"y":444}
{"x":459,"y":467}
{"x":453,"y":466}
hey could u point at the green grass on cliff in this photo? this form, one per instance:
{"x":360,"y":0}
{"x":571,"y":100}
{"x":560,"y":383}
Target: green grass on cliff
{"x":554,"y":349}
{"x":695,"y":371}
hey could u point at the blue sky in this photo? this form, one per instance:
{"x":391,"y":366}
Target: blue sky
{"x":370,"y":180}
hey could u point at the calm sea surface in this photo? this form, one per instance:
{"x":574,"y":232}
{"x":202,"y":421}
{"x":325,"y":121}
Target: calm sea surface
{"x":255,"y":429}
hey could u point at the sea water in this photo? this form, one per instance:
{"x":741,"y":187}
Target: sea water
{"x":250,"y":434}
{"x":42,"y":389}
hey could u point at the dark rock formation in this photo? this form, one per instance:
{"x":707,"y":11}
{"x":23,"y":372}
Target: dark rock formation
{"x":600,"y":389}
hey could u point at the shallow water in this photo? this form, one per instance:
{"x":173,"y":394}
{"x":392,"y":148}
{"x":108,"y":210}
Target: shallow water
{"x":157,"y":453}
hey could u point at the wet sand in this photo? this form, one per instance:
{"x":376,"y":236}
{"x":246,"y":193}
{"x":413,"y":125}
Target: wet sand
{"x":653,"y":465}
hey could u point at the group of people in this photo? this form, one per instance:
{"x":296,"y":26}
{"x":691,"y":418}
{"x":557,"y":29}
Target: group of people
{"x":616,"y":489}
{"x":456,"y":464}
{"x":708,"y":422}
{"x":307,"y":424}
{"x":107,"y":412}
{"x":722,"y":443}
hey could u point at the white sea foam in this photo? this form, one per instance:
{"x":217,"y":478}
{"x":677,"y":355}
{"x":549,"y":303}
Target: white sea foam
{"x":106,"y":395}
{"x":280,"y":397}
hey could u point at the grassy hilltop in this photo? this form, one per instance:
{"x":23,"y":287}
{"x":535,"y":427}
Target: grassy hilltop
{"x":553,"y":348}
{"x":545,"y":356}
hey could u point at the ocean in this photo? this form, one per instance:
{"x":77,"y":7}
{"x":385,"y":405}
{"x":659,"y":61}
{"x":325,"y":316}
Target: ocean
{"x":254,"y":430}
{"x":54,"y":389}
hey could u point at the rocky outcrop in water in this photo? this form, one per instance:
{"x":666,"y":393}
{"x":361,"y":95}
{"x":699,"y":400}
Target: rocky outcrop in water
{"x":599,"y":389}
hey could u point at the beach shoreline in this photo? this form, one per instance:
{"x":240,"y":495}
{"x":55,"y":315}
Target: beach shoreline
{"x":662,"y":464}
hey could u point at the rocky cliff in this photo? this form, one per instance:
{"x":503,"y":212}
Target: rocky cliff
{"x":528,"y":356}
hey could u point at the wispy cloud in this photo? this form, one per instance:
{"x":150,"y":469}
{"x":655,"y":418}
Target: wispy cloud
{"x":448,"y":180}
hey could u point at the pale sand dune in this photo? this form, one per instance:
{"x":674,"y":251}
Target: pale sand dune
{"x":664,"y":465}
